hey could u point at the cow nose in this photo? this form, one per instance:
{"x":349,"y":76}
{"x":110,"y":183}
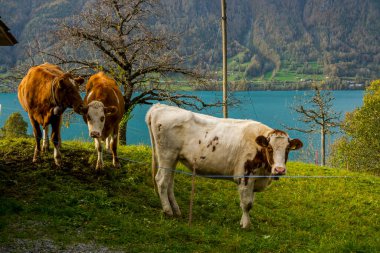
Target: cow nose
{"x":95,"y":134}
{"x":280,"y":170}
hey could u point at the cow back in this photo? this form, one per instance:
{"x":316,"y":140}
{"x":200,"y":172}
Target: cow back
{"x":34,"y":91}
{"x":44,"y":87}
{"x":217,"y":146}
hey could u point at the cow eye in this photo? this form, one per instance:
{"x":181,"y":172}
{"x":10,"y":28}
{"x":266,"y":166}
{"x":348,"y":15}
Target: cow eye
{"x":102,"y":119}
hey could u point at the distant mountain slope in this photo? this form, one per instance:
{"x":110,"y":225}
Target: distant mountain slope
{"x":31,"y":20}
{"x":338,"y":37}
{"x":342,"y":36}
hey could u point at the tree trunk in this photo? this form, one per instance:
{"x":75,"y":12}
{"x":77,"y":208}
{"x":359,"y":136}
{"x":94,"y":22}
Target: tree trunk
{"x":123,"y":132}
{"x":323,"y":146}
{"x":128,"y":91}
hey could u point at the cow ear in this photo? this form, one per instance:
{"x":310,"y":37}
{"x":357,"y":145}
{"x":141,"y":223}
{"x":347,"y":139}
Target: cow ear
{"x":295,"y":144}
{"x":262,"y":141}
{"x":79,"y":80}
{"x":110,"y":110}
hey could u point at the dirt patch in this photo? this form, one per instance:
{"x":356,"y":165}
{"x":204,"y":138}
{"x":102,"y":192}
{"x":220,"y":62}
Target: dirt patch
{"x":47,"y":246}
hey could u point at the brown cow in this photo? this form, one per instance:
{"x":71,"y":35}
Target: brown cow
{"x":104,"y":113}
{"x":45,"y":93}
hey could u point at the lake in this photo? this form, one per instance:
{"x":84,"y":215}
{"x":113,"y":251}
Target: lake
{"x":270,"y":107}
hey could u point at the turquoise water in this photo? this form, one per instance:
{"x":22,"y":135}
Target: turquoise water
{"x":270,"y":107}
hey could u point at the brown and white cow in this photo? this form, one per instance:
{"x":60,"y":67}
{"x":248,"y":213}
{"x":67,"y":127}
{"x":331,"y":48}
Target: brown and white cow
{"x":105,"y":111}
{"x":214,"y":146}
{"x":45,"y":93}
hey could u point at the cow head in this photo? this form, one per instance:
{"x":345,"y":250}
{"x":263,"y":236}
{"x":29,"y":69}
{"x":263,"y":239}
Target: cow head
{"x":96,"y":116}
{"x":276,"y":147}
{"x":66,"y":93}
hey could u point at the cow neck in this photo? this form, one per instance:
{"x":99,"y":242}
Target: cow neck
{"x":262,"y":157}
{"x":258,"y":163}
{"x":53,"y":97}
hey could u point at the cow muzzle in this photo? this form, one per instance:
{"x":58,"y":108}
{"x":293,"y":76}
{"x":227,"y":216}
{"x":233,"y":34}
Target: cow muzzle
{"x":279,"y":171}
{"x":95,"y":134}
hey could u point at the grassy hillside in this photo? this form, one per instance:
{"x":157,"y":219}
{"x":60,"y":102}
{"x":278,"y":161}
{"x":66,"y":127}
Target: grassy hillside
{"x":74,"y":209}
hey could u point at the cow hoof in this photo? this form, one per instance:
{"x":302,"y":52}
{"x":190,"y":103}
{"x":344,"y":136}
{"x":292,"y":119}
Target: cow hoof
{"x":168,"y":213}
{"x":36,"y":155}
{"x":177,"y":213}
{"x":58,"y":163}
{"x":246,"y":225}
{"x":117,"y":165}
{"x":100,"y":173}
{"x":99,"y":166}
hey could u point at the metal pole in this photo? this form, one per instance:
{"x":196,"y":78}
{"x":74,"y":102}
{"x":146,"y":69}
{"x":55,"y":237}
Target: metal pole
{"x":224,"y":47}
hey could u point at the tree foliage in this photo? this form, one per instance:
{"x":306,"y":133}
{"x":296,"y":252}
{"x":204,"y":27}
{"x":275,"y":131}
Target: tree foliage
{"x":15,"y":126}
{"x":359,"y":148}
{"x":123,"y":39}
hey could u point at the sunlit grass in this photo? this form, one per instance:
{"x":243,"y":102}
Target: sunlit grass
{"x":120,"y":210}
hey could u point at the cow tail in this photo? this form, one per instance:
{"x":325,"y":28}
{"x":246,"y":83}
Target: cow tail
{"x":154,"y":156}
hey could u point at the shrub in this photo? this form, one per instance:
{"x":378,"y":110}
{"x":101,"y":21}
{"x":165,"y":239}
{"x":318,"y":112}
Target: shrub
{"x":359,"y":148}
{"x":15,"y":126}
{"x":254,"y":68}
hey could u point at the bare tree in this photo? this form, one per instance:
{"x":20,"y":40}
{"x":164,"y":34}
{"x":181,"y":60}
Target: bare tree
{"x":317,"y":113}
{"x":125,"y":40}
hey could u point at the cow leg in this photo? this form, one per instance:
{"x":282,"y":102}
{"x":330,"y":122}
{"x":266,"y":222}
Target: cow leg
{"x":99,"y":148}
{"x":108,"y":140}
{"x":56,"y":139}
{"x":162,"y":179}
{"x":166,"y":162}
{"x":172,"y":200}
{"x":114,"y":141}
{"x":246,"y":200}
{"x":59,"y":141}
{"x":45,"y":143}
{"x":37,"y":135}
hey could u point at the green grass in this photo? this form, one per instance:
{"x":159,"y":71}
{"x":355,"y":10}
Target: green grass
{"x":285,"y":74}
{"x":119,"y":209}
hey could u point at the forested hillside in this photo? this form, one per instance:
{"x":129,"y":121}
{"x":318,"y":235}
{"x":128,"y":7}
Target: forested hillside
{"x":333,"y":38}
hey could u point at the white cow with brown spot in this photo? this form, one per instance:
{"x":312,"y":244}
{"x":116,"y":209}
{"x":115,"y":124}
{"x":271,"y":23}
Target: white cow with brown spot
{"x":215,"y":146}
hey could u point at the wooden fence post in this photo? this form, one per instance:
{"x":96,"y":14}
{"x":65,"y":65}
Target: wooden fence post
{"x":192,"y":195}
